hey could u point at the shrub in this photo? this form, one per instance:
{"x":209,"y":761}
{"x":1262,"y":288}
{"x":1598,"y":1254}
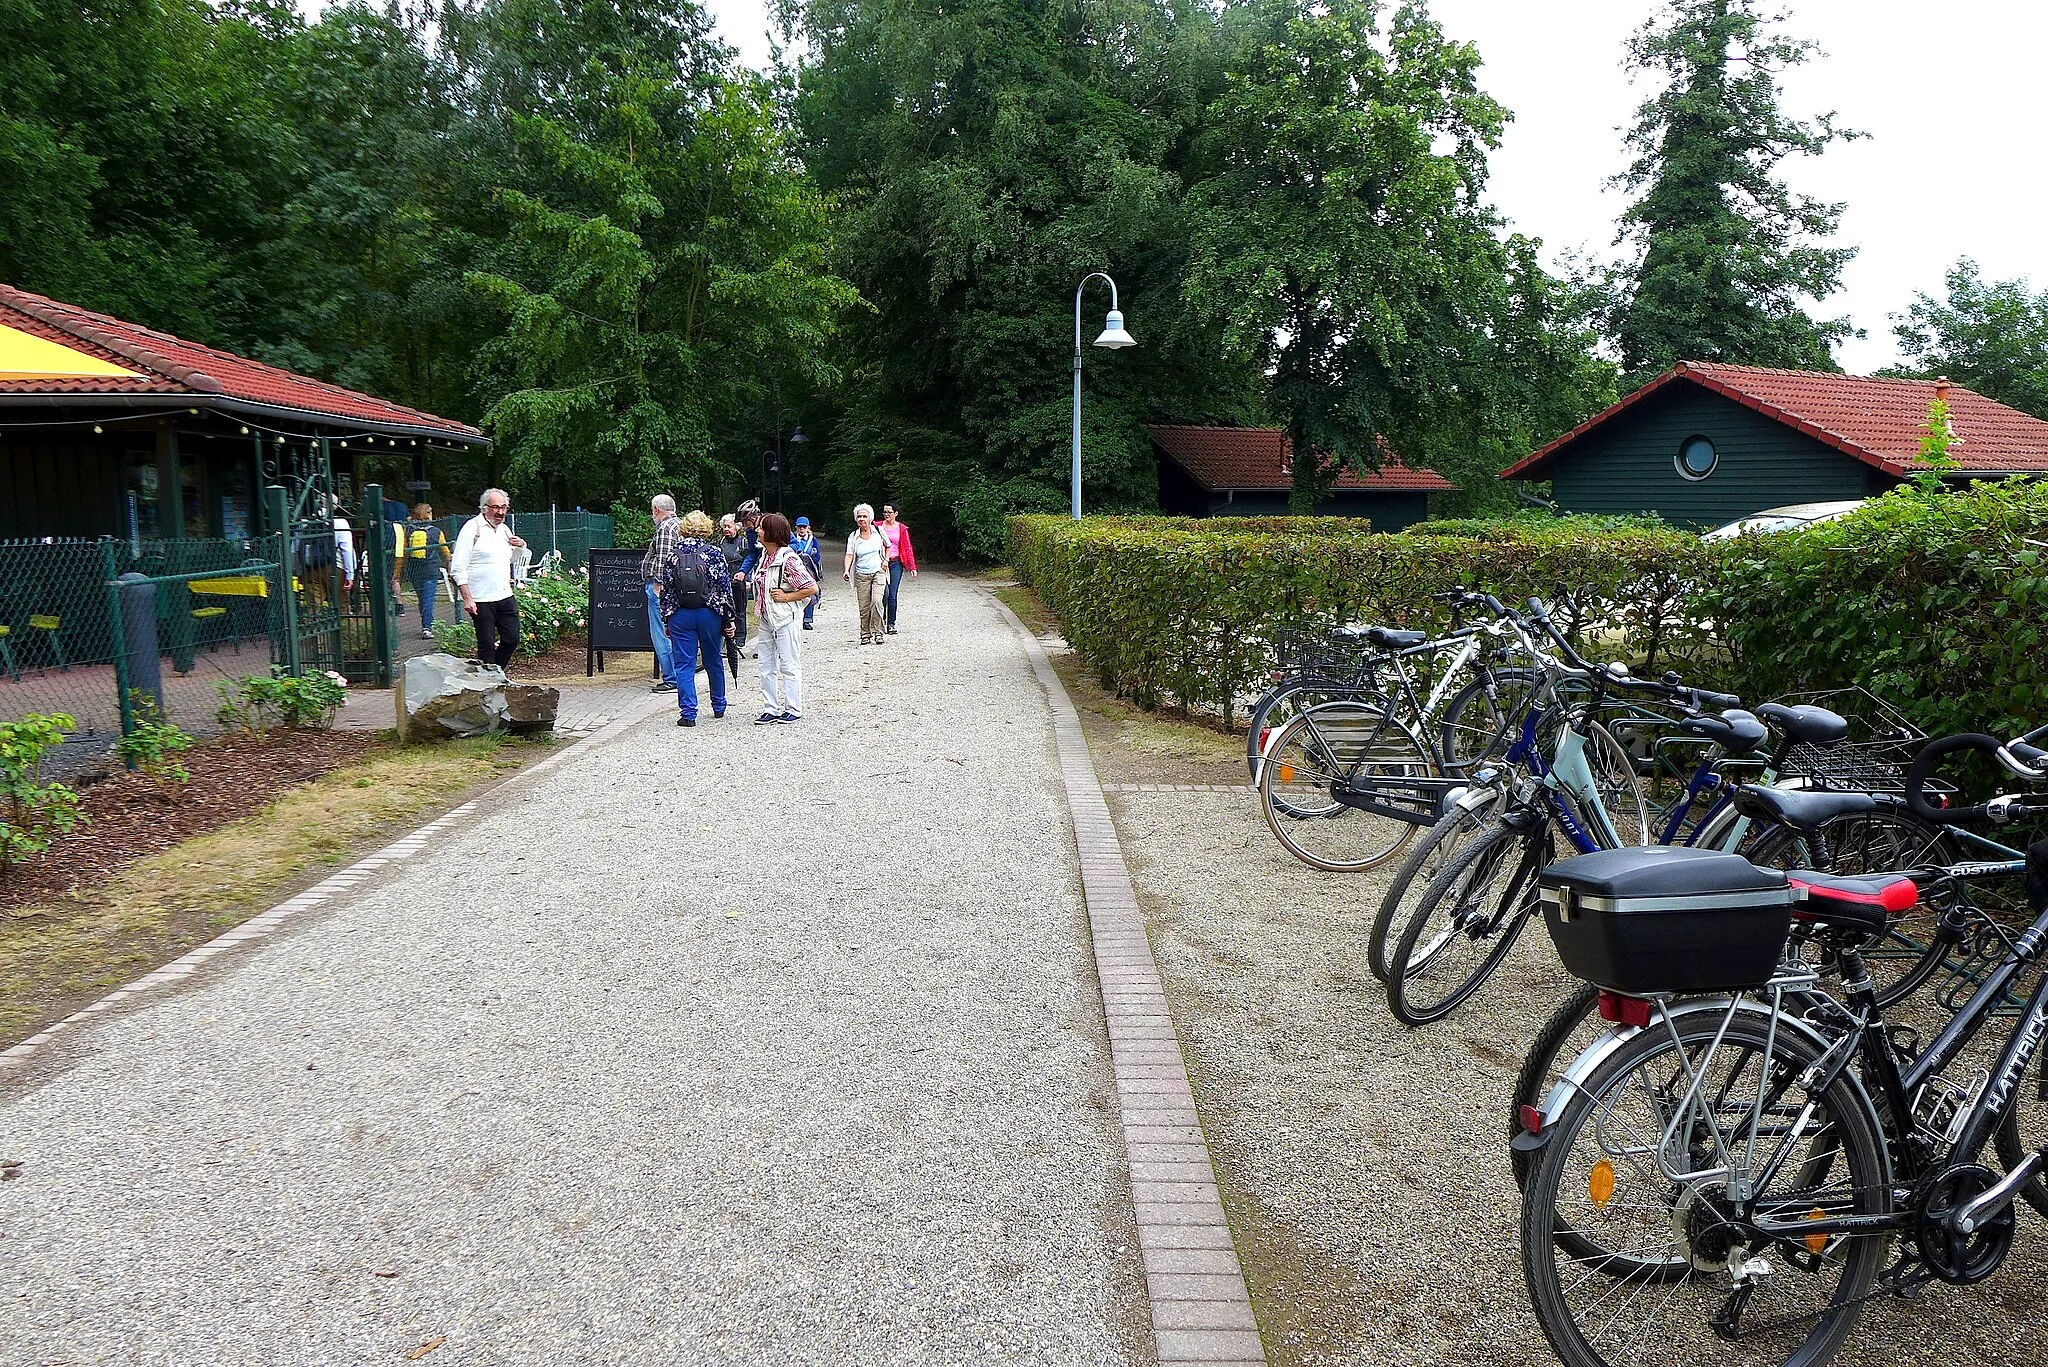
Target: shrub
{"x":153,"y":744}
{"x":305,"y":700}
{"x":32,"y":812}
{"x":1171,"y":610}
{"x":1931,"y":599}
{"x":551,"y":606}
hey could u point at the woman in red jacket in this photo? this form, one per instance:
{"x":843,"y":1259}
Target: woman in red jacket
{"x":901,"y":558}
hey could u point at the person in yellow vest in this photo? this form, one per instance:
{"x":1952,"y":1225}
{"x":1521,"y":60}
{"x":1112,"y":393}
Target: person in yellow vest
{"x":425,"y":553}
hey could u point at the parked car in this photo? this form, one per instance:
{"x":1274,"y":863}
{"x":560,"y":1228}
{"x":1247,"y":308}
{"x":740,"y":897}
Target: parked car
{"x":1790,"y":518}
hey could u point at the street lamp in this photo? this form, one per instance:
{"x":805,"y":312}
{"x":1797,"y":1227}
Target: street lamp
{"x":1116,"y":339}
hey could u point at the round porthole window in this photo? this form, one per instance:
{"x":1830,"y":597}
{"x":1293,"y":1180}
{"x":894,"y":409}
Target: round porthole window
{"x":1697,"y":458}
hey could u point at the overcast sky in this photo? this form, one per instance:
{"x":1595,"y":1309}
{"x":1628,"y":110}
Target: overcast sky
{"x":1953,"y":95}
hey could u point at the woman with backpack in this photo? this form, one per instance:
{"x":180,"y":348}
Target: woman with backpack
{"x":426,"y":552}
{"x":782,"y":583}
{"x":697,"y":598}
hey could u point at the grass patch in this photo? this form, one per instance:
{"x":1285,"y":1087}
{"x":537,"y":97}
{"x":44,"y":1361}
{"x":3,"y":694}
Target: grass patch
{"x":1029,"y":610}
{"x":59,"y":954}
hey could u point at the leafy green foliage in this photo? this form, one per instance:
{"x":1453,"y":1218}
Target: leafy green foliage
{"x":1188,"y":615}
{"x":32,"y":812}
{"x":1347,"y":249}
{"x":1933,"y":601}
{"x":259,"y":701}
{"x":1992,"y":337}
{"x":552,"y":607}
{"x":154,"y":743}
{"x":1724,"y":251}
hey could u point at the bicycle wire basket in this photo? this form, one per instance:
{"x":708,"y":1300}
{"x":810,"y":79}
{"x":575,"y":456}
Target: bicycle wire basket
{"x":1872,"y":757}
{"x":1313,"y":657}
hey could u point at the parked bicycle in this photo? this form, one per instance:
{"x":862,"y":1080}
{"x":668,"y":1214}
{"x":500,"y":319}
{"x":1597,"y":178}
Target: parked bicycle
{"x":1720,"y":1177}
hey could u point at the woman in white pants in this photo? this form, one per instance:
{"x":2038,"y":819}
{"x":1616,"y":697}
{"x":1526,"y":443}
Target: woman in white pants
{"x":783,"y":583}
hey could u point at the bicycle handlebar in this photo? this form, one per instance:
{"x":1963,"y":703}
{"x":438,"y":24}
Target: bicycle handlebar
{"x":1699,"y":699}
{"x":2017,"y":759}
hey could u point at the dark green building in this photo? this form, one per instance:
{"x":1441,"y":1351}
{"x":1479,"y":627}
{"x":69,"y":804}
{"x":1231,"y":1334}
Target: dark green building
{"x":1704,"y":444}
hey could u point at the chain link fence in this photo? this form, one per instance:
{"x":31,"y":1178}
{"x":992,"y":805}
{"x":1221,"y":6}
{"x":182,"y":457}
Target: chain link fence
{"x":183,"y":615}
{"x":573,"y":534}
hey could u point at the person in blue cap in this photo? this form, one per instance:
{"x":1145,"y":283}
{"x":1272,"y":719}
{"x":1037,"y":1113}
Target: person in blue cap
{"x":806,"y":545}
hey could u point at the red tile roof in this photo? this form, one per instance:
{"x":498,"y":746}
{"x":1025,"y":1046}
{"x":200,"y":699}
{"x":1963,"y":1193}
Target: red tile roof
{"x":1879,"y":422}
{"x":172,"y":366}
{"x":1256,"y":458}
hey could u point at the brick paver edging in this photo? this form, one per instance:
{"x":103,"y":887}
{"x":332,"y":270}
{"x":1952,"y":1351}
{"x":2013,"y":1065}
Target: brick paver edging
{"x":257,"y":928}
{"x":1201,"y":1312}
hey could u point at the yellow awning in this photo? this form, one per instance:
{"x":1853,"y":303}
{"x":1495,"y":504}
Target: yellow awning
{"x":24,"y":356}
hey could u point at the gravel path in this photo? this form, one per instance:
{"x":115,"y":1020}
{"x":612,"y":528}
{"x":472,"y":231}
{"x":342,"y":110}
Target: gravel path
{"x":610,"y":1075}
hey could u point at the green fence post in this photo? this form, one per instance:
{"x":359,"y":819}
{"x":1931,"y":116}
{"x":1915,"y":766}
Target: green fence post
{"x":288,"y":598}
{"x":376,"y":562}
{"x":111,"y":573}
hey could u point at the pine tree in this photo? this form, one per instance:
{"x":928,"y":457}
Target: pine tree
{"x":1725,"y":254}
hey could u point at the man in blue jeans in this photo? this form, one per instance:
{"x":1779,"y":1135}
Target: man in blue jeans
{"x":806,"y":545}
{"x":653,"y":567}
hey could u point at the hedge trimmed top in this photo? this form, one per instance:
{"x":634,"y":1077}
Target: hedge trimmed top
{"x":1931,"y":600}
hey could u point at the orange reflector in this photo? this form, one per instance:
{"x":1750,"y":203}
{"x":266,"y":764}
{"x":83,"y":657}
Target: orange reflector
{"x":1600,"y":1184}
{"x":1817,"y":1244}
{"x":1287,"y":773}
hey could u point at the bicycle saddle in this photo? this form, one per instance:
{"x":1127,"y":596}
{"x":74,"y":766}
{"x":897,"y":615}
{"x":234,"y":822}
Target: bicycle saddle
{"x":1803,"y":809}
{"x":1388,"y":639}
{"x":1853,"y":904}
{"x":1805,"y":722}
{"x":1735,"y":731}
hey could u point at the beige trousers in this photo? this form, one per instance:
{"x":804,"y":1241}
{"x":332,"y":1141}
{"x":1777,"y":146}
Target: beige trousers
{"x":868,"y":590}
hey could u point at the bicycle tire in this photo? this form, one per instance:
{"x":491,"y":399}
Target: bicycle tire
{"x":1425,"y":859}
{"x":1562,"y":1039}
{"x":1338,"y":742}
{"x":1484,"y":896}
{"x":1502,"y":698}
{"x":1651,"y":1227}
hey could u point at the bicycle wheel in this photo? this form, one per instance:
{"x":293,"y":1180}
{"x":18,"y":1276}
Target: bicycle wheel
{"x":1482,"y":719}
{"x":1630,"y":1243}
{"x":1426,"y":858}
{"x":1339,"y":748}
{"x":1882,"y":841}
{"x":1620,"y":790}
{"x":1281,"y":704}
{"x":1569,"y":1032}
{"x":1464,"y":924}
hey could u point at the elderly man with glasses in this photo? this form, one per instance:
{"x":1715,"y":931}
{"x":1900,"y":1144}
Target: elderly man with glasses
{"x":485,"y":553}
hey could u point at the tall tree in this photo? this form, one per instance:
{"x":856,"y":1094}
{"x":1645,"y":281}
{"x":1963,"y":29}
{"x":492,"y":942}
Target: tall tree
{"x":1346,"y":244}
{"x":662,"y":262}
{"x":985,"y":157}
{"x":1992,"y":337}
{"x":1725,"y":255}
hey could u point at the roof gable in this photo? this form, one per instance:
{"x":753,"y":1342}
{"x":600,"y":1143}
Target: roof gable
{"x":1258,"y":459}
{"x":1878,"y":421}
{"x":119,"y":358}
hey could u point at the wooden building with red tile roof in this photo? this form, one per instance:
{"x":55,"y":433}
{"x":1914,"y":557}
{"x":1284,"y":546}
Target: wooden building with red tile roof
{"x":1704,"y":444}
{"x":1248,"y":471}
{"x":108,"y":428}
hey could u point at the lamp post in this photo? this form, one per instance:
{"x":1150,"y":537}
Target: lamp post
{"x":1113,"y":337}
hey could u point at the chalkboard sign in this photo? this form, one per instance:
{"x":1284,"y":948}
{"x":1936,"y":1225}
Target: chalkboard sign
{"x":618,"y":606}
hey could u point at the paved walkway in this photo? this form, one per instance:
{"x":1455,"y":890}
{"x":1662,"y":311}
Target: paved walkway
{"x":732,"y":1044}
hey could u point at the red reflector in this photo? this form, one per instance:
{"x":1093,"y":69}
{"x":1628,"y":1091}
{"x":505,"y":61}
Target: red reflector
{"x":1532,"y":1120}
{"x":1624,"y":1010}
{"x":1265,"y":738}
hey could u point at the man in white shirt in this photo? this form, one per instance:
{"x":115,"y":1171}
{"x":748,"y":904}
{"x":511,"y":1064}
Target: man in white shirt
{"x":485,"y":551}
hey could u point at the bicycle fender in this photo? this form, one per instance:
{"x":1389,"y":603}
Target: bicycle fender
{"x":1600,"y":1050}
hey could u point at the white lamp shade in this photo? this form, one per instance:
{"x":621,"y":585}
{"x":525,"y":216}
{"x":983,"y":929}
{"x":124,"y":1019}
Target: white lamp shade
{"x":1113,"y":335}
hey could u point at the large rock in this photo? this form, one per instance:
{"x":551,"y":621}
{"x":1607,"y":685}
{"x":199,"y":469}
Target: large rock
{"x":447,"y":697}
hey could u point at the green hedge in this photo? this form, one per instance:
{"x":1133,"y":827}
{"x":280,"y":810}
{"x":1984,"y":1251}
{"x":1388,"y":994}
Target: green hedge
{"x":1167,"y":613}
{"x":1933,"y":601}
